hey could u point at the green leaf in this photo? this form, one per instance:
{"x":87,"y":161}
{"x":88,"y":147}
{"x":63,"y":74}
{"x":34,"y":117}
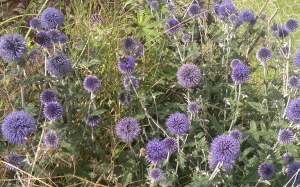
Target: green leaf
{"x":94,"y":62}
{"x":215,"y":123}
{"x":259,"y":107}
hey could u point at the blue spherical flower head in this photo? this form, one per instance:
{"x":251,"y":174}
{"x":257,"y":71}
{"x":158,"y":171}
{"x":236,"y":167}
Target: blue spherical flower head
{"x":266,"y":170}
{"x":263,"y":55}
{"x":178,"y":123}
{"x":194,"y":10}
{"x":225,"y":148}
{"x":124,"y":98}
{"x":293,"y":110}
{"x":228,"y":167}
{"x":128,"y":44}
{"x":35,"y":56}
{"x":292,"y":172}
{"x":128,"y":129}
{"x":297,"y":58}
{"x":127,"y":64}
{"x":236,"y":134}
{"x":240,"y":73}
{"x":58,"y":65}
{"x":154,"y":5}
{"x":173,"y":25}
{"x":51,"y":18}
{"x":17,"y":125}
{"x":48,"y":96}
{"x":131,"y":83}
{"x":52,"y":139}
{"x":13,"y":159}
{"x":291,"y":25}
{"x":285,"y":136}
{"x":171,"y":144}
{"x":156,"y":151}
{"x":13,"y":47}
{"x":225,"y":9}
{"x":246,"y":16}
{"x":43,"y":39}
{"x":235,"y":62}
{"x":55,"y":35}
{"x":193,"y":107}
{"x":288,"y":158}
{"x":91,"y":83}
{"x":95,"y":18}
{"x":282,"y":32}
{"x":35,"y":24}
{"x":186,"y":38}
{"x":62,"y":38}
{"x":92,"y":120}
{"x":53,"y":111}
{"x":155,"y":174}
{"x":189,"y":75}
{"x":170,"y":8}
{"x":294,"y":82}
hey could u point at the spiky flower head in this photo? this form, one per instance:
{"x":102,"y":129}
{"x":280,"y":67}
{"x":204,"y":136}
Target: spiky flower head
{"x":52,"y":139}
{"x":288,"y":158}
{"x":193,"y":107}
{"x":58,"y":65}
{"x":13,"y":159}
{"x":194,"y":10}
{"x":128,"y":44}
{"x":154,"y":5}
{"x":293,"y":110}
{"x":189,"y":75}
{"x":234,"y":62}
{"x":53,"y":110}
{"x":293,"y":172}
{"x":186,"y":38}
{"x":35,"y":56}
{"x":246,"y":15}
{"x":92,"y":120}
{"x":225,"y":148}
{"x":170,"y":8}
{"x":285,"y":136}
{"x":17,"y":125}
{"x":62,"y":38}
{"x":128,"y":129}
{"x":91,"y":83}
{"x":124,"y":98}
{"x":173,"y":25}
{"x":291,"y":25}
{"x":178,"y":123}
{"x":155,"y":174}
{"x":240,"y":73}
{"x":43,"y":39}
{"x":297,"y":58}
{"x":51,"y":18}
{"x":235,"y":21}
{"x":127,"y":64}
{"x":263,"y":55}
{"x":13,"y":47}
{"x":282,"y":32}
{"x":236,"y":134}
{"x":228,"y":167}
{"x":266,"y":170}
{"x":224,"y":9}
{"x":35,"y":24}
{"x":131,"y":83}
{"x":95,"y":18}
{"x":156,"y":151}
{"x":48,"y":96}
{"x":55,"y":35}
{"x":294,"y":82}
{"x":171,"y":144}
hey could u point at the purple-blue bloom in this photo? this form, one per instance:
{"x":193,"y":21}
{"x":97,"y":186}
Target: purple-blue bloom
{"x":234,"y":62}
{"x":95,"y":18}
{"x":193,"y":107}
{"x":288,"y":158}
{"x":17,"y":125}
{"x":155,"y":174}
{"x":51,"y":18}
{"x":236,"y":134}
{"x":13,"y":47}
{"x":34,"y":55}
{"x":92,"y":120}
{"x":266,"y":170}
{"x":240,"y":73}
{"x":154,"y":5}
{"x":228,"y":167}
{"x":126,"y":65}
{"x":128,"y":44}
{"x":13,"y":159}
{"x":128,"y":129}
{"x":156,"y":151}
{"x":35,"y":24}
{"x":173,"y":25}
{"x":263,"y":55}
{"x":194,"y":10}
{"x":285,"y":136}
{"x":224,"y":9}
{"x":282,"y":32}
{"x":293,"y":110}
{"x":58,"y":64}
{"x":91,"y":83}
{"x":124,"y":98}
{"x":294,"y":82}
{"x":186,"y":38}
{"x":178,"y":123}
{"x":291,"y":25}
{"x":189,"y":75}
{"x":55,"y":35}
{"x":43,"y":39}
{"x":293,"y":172}
{"x":170,"y":8}
{"x":52,"y":139}
{"x":48,"y":96}
{"x":171,"y":144}
{"x":131,"y":83}
{"x":53,"y":110}
{"x":246,"y":16}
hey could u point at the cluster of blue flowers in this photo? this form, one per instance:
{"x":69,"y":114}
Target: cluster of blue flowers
{"x":240,"y":71}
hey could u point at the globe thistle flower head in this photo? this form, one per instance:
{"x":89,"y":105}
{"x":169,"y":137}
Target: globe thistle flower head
{"x":43,"y":39}
{"x":13,"y":47}
{"x":62,"y":38}
{"x":127,"y":64}
{"x":282,"y":32}
{"x":288,"y":158}
{"x":240,"y":73}
{"x":35,"y":56}
{"x":51,"y":18}
{"x":193,"y":107}
{"x":225,"y":148}
{"x":236,"y":134}
{"x":124,"y":98}
{"x":186,"y":38}
{"x":52,"y":139}
{"x":95,"y":18}
{"x":128,"y":129}
{"x":225,"y":9}
{"x":235,"y":62}
{"x":128,"y":44}
{"x":170,"y":8}
{"x":189,"y":75}
{"x":91,"y":83}
{"x":294,"y":82}
{"x":297,"y":58}
{"x":13,"y":159}
{"x":293,"y":172}
{"x":266,"y":170}
{"x":155,"y":174}
{"x":131,"y":83}
{"x":171,"y":144}
{"x":284,"y":51}
{"x":58,"y":65}
{"x":48,"y":96}
{"x":285,"y":136}
{"x":293,"y":110}
{"x":55,"y":35}
{"x":92,"y":120}
{"x":154,"y":5}
{"x":17,"y":125}
{"x":173,"y":25}
{"x":156,"y":151}
{"x":263,"y":55}
{"x":275,"y":27}
{"x":178,"y":123}
{"x":291,"y":25}
{"x":228,"y":167}
{"x":35,"y":24}
{"x":234,"y":20}
{"x":246,"y":15}
{"x":53,"y":110}
{"x":194,"y":10}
